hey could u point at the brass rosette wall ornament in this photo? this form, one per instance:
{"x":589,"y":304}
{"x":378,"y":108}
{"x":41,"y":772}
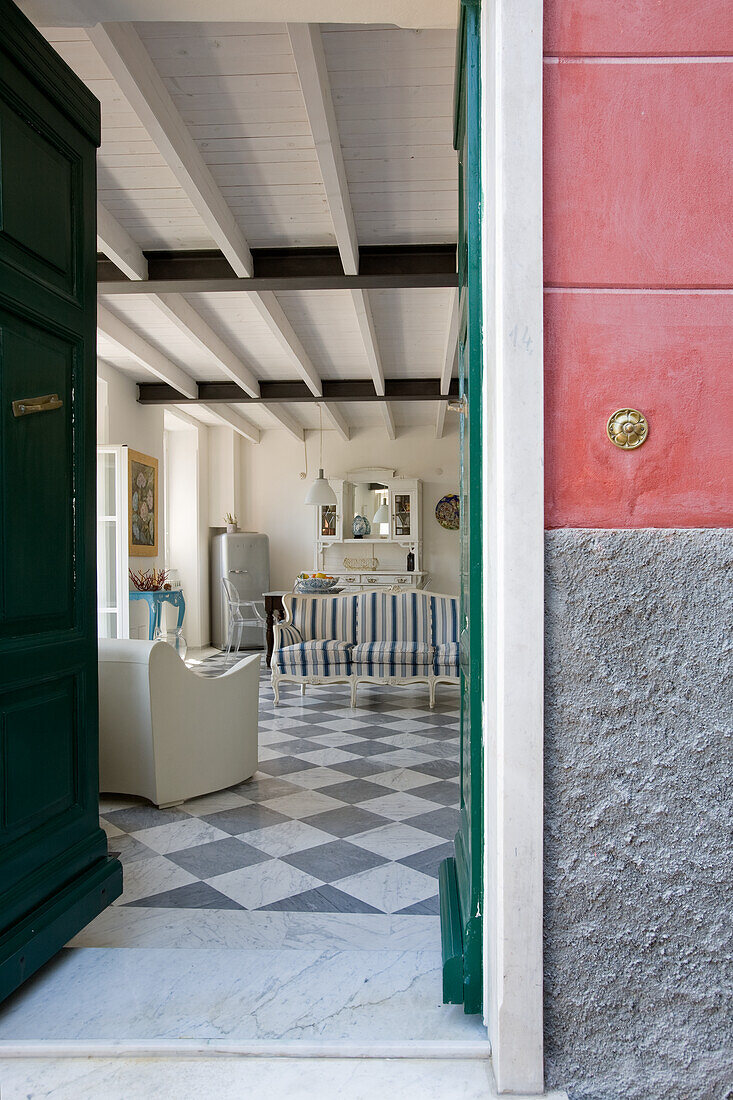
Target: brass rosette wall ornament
{"x":627,"y":429}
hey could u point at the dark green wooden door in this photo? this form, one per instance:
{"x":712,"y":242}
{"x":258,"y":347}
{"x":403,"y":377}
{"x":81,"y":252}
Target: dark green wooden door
{"x":461,"y":877}
{"x":55,"y":874}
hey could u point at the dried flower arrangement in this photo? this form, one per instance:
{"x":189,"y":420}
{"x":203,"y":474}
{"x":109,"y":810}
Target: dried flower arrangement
{"x":151,"y":580}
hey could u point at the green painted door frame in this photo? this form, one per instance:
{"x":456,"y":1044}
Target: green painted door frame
{"x":55,"y":873}
{"x":461,"y":876}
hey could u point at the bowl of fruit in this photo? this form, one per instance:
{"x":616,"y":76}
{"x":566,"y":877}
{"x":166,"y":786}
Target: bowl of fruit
{"x":315,"y":583}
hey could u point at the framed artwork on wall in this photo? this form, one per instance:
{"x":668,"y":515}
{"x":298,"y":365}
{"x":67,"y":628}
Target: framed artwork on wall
{"x":143,"y":504}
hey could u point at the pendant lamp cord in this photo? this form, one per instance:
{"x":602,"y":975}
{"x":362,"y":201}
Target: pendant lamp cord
{"x":304,"y":473}
{"x":320,"y":429}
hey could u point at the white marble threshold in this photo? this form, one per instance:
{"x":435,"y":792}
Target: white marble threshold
{"x":235,"y":1078}
{"x":250,"y":1048}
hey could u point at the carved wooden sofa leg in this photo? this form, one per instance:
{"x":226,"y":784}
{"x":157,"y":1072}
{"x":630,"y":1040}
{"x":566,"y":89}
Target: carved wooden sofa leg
{"x":353,"y":693}
{"x":302,"y":689}
{"x":276,"y":690}
{"x":433,"y":685}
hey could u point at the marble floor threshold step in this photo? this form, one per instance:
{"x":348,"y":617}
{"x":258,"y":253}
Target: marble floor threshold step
{"x":319,"y":995}
{"x":228,"y":1078}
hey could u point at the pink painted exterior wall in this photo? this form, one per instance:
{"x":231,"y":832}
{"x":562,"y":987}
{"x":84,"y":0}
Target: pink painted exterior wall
{"x":638,"y":202}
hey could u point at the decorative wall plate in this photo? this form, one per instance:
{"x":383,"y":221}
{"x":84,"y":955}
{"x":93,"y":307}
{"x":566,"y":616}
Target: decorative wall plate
{"x":448,"y":512}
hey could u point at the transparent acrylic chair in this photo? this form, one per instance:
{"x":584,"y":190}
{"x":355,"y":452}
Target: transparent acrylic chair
{"x":242,"y":613}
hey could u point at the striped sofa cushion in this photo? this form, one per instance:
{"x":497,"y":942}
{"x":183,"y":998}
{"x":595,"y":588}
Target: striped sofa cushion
{"x":391,"y":658}
{"x":393,"y":617}
{"x":314,"y":658}
{"x":330,"y":617}
{"x":445,"y":661}
{"x":444,"y":619}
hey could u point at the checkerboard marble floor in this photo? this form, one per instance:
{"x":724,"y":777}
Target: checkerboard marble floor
{"x":351,"y":812}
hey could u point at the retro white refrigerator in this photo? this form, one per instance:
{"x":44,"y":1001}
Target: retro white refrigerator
{"x":244,"y":559}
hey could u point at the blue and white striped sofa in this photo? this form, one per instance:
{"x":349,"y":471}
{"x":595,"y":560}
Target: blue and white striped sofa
{"x":368,"y":637}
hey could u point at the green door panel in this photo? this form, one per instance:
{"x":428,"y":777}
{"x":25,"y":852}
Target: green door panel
{"x":461,"y":876}
{"x":38,"y":474}
{"x":55,"y":873}
{"x":42,"y":243}
{"x":35,"y":727}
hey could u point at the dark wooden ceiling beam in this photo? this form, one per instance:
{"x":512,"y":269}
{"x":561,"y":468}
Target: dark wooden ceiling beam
{"x":192,"y":272}
{"x":211,"y":393}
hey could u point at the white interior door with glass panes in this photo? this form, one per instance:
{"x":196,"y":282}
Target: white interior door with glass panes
{"x":113,"y":601}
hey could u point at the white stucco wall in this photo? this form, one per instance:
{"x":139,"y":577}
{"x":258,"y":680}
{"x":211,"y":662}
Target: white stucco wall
{"x":273,"y":491}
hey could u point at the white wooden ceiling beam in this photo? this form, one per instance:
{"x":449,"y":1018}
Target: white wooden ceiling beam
{"x":310,"y":62}
{"x":117,"y":244}
{"x":233,"y":419}
{"x":286,"y":421}
{"x":334,"y":415}
{"x":124,"y":54}
{"x":364,"y":317}
{"x":440,"y":419}
{"x":386,"y":411}
{"x":273,"y":315}
{"x":152,"y":360}
{"x":178,"y":310}
{"x":369,"y":336}
{"x":449,"y":361}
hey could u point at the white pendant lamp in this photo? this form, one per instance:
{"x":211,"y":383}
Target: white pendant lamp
{"x":320,"y":492}
{"x":382,"y":513}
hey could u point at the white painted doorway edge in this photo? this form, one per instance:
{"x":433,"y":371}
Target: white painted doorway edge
{"x":511,"y":119}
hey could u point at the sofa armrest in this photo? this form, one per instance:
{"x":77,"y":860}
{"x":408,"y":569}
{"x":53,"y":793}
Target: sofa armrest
{"x":286,"y":634}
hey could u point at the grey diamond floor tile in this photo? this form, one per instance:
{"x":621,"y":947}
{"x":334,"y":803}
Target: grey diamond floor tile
{"x":285,"y":765}
{"x":295,"y":744}
{"x":346,"y":821}
{"x":441,"y":769}
{"x":444,"y":791}
{"x":330,"y":862}
{"x":241,"y":819}
{"x":197,"y":895}
{"x":143,"y":816}
{"x":357,"y":790}
{"x":217,"y":857}
{"x":369,"y":748}
{"x":360,"y":769}
{"x":442,"y":822}
{"x":325,"y":899}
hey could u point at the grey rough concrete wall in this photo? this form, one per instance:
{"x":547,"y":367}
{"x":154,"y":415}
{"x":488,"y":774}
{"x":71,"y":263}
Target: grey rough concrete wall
{"x":638,"y":812}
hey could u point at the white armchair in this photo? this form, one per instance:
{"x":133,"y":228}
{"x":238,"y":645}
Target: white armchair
{"x":168,"y":734}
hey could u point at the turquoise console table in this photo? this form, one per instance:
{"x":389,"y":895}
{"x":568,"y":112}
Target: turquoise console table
{"x":155,"y":600}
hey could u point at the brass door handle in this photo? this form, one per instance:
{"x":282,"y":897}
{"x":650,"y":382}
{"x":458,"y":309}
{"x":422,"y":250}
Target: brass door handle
{"x":29,"y":405}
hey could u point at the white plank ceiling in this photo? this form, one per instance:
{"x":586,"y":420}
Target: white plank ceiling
{"x":237,"y":89}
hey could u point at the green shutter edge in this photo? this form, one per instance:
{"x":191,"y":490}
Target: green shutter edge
{"x":451,"y":938}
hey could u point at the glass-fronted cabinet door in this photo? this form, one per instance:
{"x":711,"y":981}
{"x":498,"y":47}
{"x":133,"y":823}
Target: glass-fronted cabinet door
{"x":405,"y":500}
{"x":330,"y":516}
{"x":402,"y":515}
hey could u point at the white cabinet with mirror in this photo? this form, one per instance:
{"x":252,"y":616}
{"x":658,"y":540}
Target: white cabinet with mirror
{"x":389,"y":552}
